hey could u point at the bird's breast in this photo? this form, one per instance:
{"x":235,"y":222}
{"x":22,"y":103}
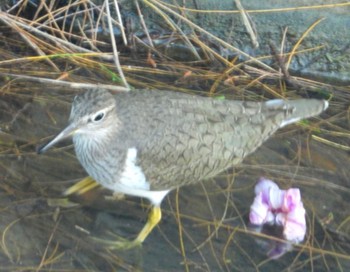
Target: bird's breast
{"x":113,"y":168}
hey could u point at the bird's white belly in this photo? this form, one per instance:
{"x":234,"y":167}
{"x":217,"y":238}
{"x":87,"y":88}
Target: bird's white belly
{"x":132,"y":181}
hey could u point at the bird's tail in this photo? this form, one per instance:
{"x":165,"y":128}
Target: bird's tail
{"x":296,"y":110}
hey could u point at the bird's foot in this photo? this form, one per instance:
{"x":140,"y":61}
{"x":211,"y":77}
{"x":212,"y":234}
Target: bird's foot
{"x":124,"y":244}
{"x":119,"y":244}
{"x":61,"y":202}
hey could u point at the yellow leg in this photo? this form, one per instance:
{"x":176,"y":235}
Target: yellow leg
{"x":154,"y":217}
{"x":82,"y":186}
{"x":79,"y":188}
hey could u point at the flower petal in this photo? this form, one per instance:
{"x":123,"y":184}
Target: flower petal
{"x":264,"y":185}
{"x":291,"y":200}
{"x":276,"y":198}
{"x":258,"y":210}
{"x":295,"y":225}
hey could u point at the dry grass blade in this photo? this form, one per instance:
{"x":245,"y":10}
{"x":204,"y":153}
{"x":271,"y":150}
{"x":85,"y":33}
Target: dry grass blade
{"x":114,"y":46}
{"x":27,"y":38}
{"x":155,"y":3}
{"x":174,"y":26}
{"x":121,"y":24}
{"x":72,"y":85}
{"x":44,"y":261}
{"x":144,"y":24}
{"x":287,"y":9}
{"x":248,"y":24}
{"x":10,"y":20}
{"x":300,"y":41}
{"x":331,"y":143}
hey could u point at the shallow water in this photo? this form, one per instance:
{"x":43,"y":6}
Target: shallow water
{"x":204,"y":226}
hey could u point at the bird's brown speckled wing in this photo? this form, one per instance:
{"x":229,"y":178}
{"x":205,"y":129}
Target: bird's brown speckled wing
{"x":182,"y":139}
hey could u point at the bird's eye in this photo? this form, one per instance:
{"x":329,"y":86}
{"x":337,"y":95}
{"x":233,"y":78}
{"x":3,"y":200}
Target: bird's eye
{"x":98,"y":117}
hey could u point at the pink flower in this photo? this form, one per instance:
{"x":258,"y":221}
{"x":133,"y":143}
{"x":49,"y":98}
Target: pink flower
{"x":279,"y":207}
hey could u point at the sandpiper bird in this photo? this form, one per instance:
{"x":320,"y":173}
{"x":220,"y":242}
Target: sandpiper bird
{"x":146,"y":143}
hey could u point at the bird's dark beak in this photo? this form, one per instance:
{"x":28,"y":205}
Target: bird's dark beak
{"x":67,"y":132}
